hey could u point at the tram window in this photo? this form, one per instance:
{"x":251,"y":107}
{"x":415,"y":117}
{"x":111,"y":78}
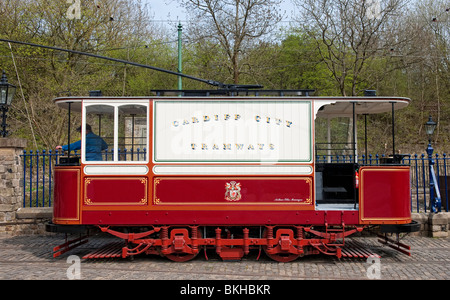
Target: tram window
{"x":100,"y":118}
{"x":132,"y":143}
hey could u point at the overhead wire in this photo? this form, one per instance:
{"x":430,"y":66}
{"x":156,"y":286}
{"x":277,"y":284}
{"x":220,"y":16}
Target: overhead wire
{"x":23,"y":96}
{"x":386,"y":51}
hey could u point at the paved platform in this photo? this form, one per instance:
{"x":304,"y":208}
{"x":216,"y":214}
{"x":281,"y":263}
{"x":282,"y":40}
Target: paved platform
{"x":30,"y":257}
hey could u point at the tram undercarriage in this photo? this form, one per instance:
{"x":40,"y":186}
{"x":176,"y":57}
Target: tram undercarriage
{"x":184,"y":243}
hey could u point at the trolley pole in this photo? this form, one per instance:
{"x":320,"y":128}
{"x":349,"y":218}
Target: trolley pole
{"x":180,"y":58}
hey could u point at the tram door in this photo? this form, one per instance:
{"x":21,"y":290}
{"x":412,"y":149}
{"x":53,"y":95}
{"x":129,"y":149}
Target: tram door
{"x":335,"y":165}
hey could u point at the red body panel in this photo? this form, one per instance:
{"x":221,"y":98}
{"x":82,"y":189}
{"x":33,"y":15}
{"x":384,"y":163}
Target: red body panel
{"x":103,"y":191}
{"x":247,"y":218}
{"x":385,"y":195}
{"x":66,"y":205}
{"x":233,"y":191}
{"x":384,"y":199}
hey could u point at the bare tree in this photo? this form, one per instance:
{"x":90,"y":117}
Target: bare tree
{"x":349,"y":33}
{"x":233,"y":24}
{"x":431,"y":75}
{"x":102,"y":25}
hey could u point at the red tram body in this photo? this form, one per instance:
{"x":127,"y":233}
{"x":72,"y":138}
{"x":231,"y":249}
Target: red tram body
{"x":230,"y":173}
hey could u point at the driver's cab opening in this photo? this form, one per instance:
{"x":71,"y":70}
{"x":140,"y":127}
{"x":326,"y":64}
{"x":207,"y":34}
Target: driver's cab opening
{"x":335,"y":166}
{"x":336,"y":147}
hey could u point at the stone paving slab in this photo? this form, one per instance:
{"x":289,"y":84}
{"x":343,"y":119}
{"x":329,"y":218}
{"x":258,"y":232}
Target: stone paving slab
{"x":30,"y":257}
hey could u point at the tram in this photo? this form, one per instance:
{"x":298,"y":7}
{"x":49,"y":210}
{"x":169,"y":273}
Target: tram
{"x":186,"y":171}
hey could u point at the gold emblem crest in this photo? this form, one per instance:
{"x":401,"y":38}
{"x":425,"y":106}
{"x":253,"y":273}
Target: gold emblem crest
{"x":233,"y":191}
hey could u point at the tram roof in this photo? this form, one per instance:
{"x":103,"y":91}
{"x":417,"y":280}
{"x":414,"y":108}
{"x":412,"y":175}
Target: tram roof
{"x":325,"y":106}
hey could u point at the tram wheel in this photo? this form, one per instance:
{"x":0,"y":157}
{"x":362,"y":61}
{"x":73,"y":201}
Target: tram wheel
{"x":282,"y":257}
{"x":183,"y":256}
{"x":278,"y":256}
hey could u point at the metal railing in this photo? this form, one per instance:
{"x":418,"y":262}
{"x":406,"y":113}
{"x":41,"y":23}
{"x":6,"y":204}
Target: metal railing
{"x":38,"y":166}
{"x":37,"y":177}
{"x":37,"y":172}
{"x":420,"y":181}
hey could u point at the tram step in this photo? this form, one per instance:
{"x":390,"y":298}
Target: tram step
{"x":354,"y":249}
{"x":111,"y":250}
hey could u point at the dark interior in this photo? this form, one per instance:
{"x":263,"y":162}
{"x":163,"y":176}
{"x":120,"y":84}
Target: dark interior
{"x":335,"y":183}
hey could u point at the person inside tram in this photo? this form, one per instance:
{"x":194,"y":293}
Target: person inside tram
{"x":94,"y":145}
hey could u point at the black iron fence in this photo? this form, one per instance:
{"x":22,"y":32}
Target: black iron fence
{"x":37,"y":177}
{"x":38,"y":169}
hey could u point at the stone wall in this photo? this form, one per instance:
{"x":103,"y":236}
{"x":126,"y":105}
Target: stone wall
{"x":433,"y":224}
{"x":10,"y":174}
{"x":13,"y":218}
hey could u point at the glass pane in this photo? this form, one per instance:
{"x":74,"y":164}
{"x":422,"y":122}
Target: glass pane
{"x":133,"y":132}
{"x":99,"y":133}
{"x":3,"y":92}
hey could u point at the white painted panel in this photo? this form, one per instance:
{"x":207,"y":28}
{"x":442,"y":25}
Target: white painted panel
{"x":232,"y":131}
{"x":116,"y":170}
{"x":235,"y":170}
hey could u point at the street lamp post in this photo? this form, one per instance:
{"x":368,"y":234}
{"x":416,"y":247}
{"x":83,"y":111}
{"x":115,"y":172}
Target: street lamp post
{"x":435,"y":197}
{"x":7,"y":92}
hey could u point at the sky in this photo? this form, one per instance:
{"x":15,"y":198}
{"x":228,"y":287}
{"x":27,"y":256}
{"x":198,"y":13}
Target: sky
{"x":169,"y":9}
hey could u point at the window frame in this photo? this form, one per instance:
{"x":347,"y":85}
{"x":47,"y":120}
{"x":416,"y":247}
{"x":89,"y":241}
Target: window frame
{"x":116,"y":104}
